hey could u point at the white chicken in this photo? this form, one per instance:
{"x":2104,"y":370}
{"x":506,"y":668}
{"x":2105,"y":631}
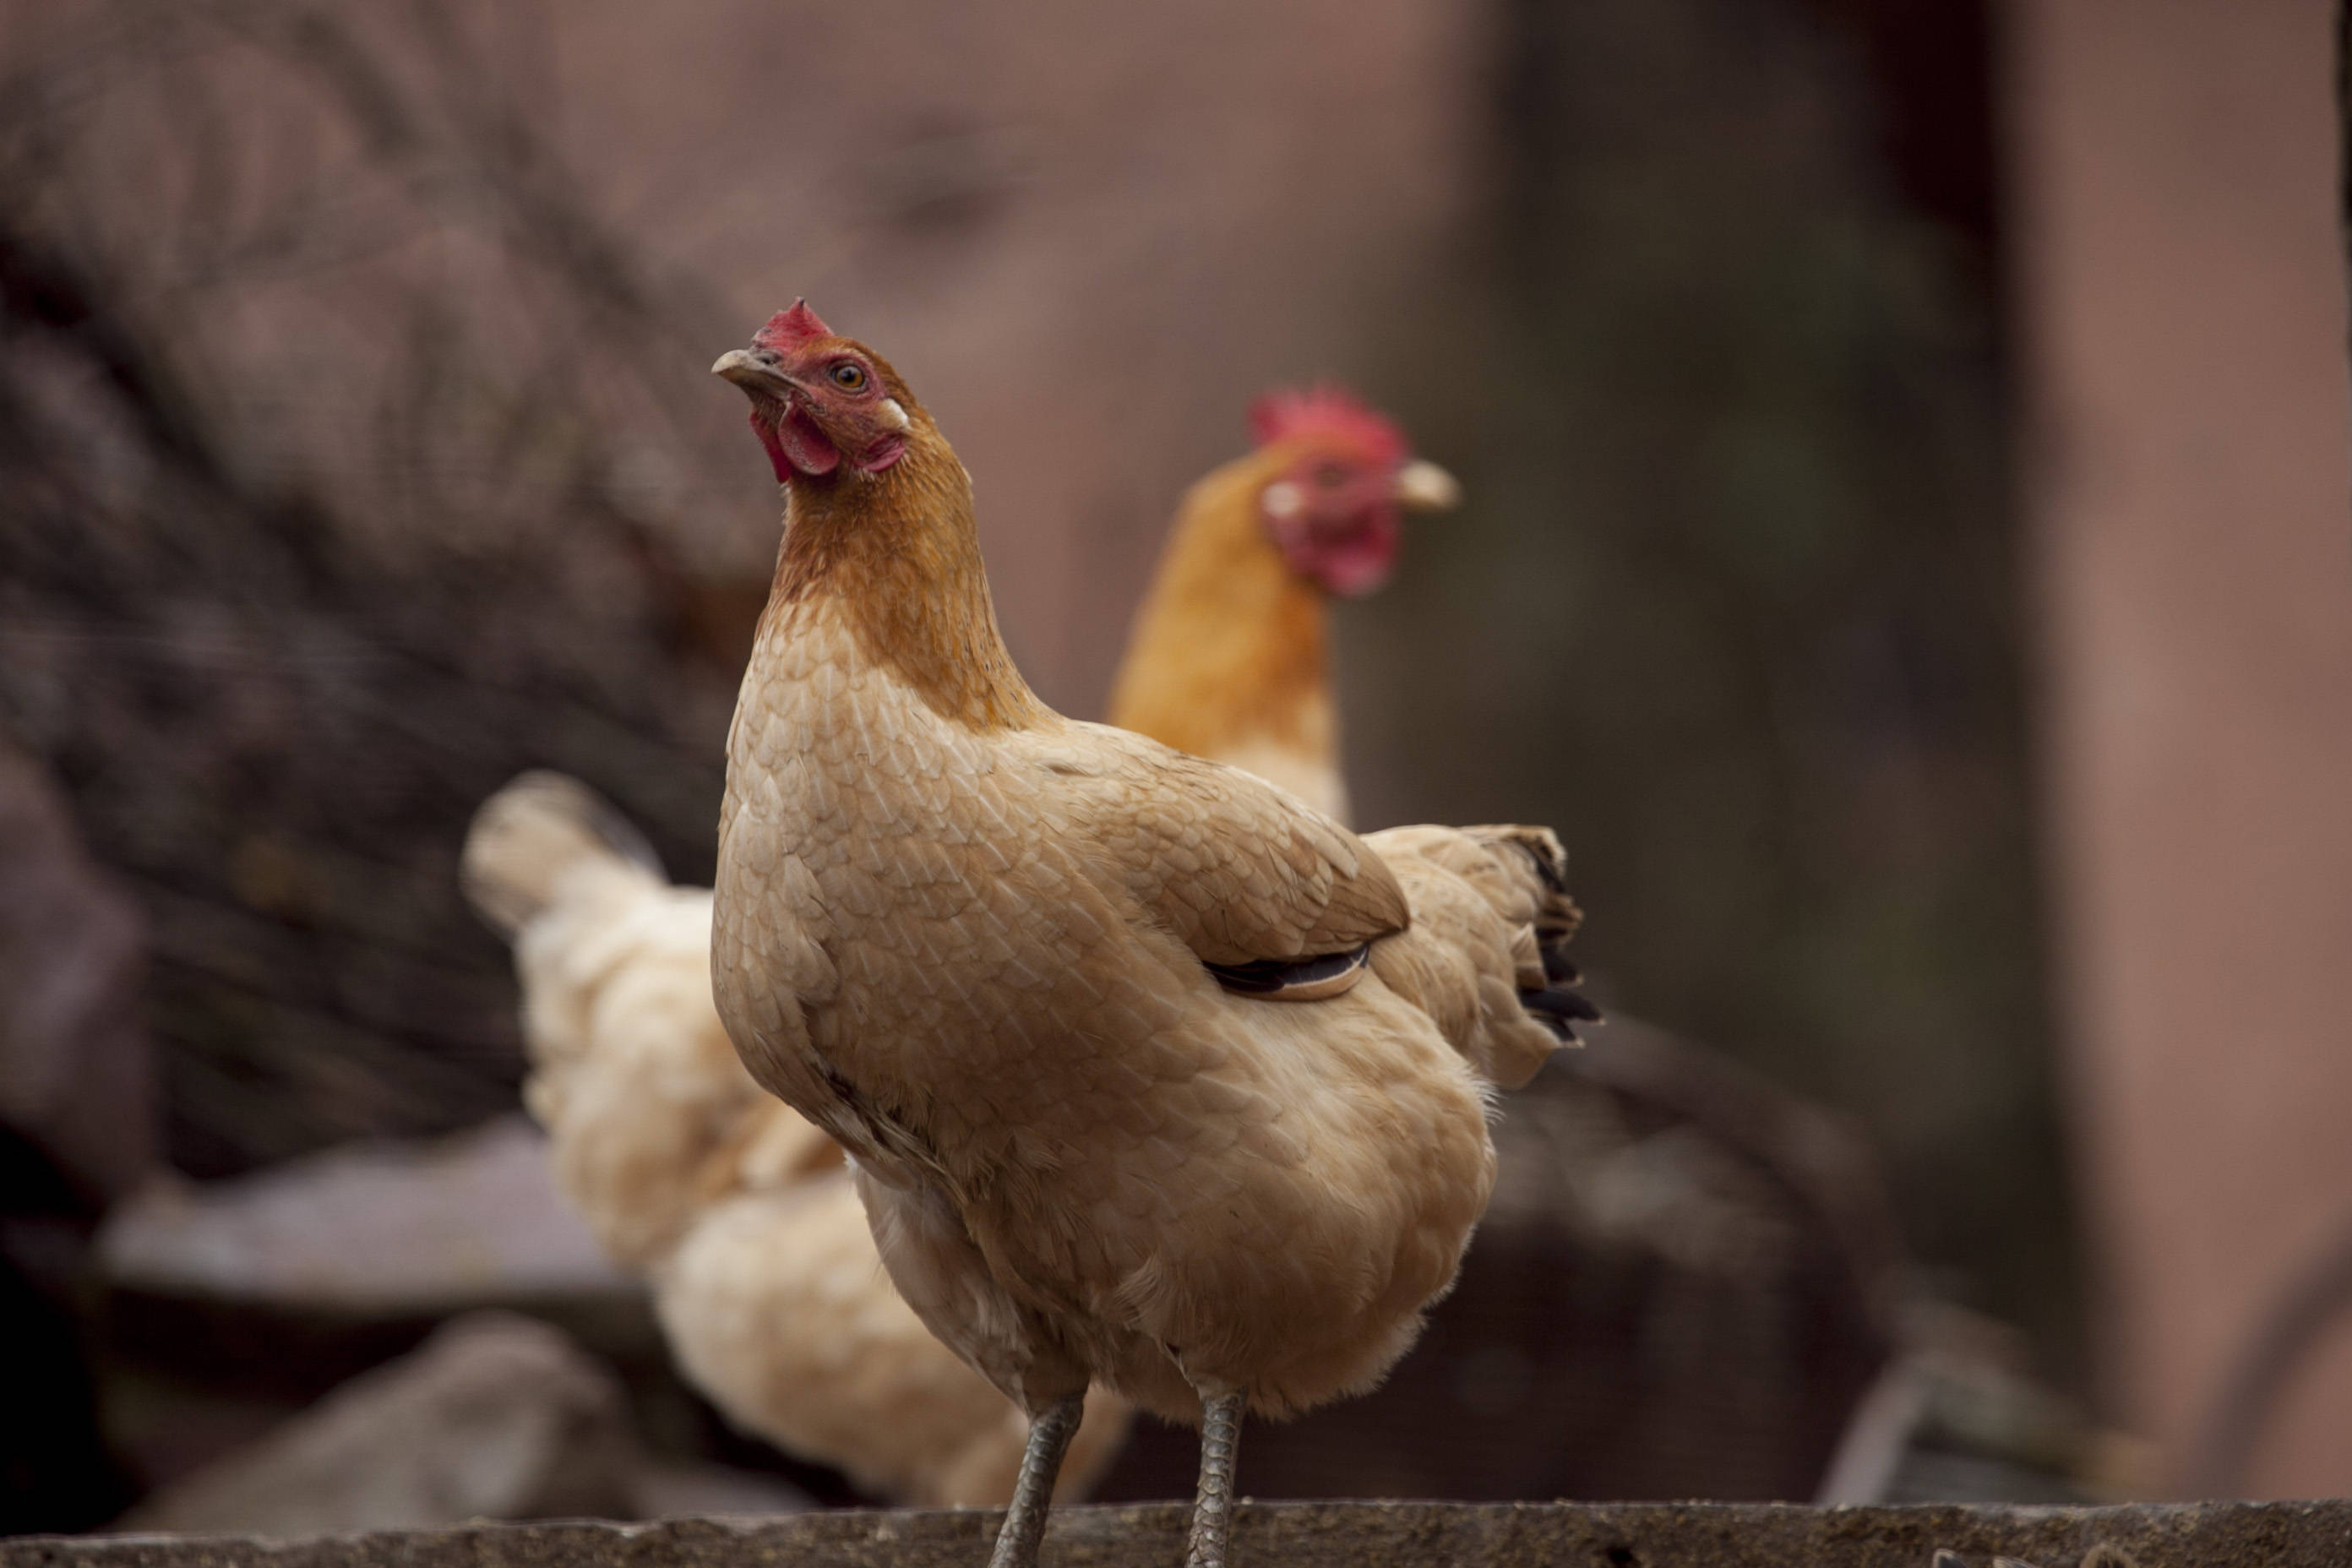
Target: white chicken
{"x":738,"y":1212}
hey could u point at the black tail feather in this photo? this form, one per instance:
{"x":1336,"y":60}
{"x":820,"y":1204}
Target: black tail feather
{"x":1560,"y":1009}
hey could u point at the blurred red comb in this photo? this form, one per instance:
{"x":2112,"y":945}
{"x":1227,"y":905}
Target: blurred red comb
{"x":1325,"y":408}
{"x":791,"y":328}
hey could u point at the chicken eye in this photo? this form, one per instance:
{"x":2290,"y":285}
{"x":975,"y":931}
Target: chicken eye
{"x":848,"y":376}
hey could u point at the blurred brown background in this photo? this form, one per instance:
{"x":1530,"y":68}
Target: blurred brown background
{"x":1904,"y":550}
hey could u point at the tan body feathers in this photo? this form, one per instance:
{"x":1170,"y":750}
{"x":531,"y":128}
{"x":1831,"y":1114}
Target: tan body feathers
{"x":737,"y":1210}
{"x":1061,"y":1116}
{"x":970,"y":938}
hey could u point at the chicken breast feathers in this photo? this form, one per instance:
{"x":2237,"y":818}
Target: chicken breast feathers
{"x":977,"y":957}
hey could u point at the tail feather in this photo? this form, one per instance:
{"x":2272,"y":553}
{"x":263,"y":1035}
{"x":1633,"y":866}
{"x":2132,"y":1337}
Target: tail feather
{"x":1548,"y":993}
{"x":1490,"y":914}
{"x":529,"y":834}
{"x":1560,"y":1009}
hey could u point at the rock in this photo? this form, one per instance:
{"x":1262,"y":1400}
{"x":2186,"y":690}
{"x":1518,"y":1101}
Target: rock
{"x":495,"y":1417}
{"x":370,"y":1229}
{"x":1959,"y":1417}
{"x":1326,"y":1535}
{"x":659,"y":1490}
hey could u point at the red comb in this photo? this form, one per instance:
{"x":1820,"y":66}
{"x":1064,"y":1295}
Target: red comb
{"x":1326,"y":409}
{"x":791,"y":328}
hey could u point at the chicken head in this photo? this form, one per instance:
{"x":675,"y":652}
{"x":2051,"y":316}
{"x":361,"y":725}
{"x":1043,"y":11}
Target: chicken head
{"x":1334,"y":511}
{"x":817,"y":399}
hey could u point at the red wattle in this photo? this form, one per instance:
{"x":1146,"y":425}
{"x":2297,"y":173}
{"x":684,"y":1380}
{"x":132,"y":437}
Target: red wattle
{"x":886,"y":450}
{"x":806,"y":445}
{"x":773,"y":446}
{"x":1350,"y":557}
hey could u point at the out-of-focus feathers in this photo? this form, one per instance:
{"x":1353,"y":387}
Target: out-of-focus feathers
{"x":1227,"y":658}
{"x":736,"y":1209}
{"x":542,"y":828}
{"x":646,"y":1107}
{"x":867,"y":1386}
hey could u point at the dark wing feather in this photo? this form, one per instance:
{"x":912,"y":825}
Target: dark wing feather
{"x":1296,"y":979}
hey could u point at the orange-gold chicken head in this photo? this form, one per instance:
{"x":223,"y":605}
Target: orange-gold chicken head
{"x":1334,"y":511}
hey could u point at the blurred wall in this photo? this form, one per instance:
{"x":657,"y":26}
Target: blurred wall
{"x":1734,"y":600}
{"x":1086,"y":235}
{"x":357,"y":449}
{"x":2182,"y":276}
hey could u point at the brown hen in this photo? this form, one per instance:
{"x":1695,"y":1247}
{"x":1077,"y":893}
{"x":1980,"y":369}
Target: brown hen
{"x":1152,"y":1076}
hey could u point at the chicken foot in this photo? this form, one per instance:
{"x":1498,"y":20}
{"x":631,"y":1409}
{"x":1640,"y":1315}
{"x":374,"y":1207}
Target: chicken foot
{"x":1213,"y":1504}
{"x":1050,"y":1431}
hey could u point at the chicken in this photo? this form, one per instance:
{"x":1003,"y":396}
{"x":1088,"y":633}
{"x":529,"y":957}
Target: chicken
{"x":1151,"y":1075}
{"x":1227,"y":658}
{"x":739,"y":1213}
{"x":721,"y":1197}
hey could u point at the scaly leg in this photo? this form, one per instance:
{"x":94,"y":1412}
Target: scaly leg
{"x":1050,"y":1431}
{"x":1212,"y":1505}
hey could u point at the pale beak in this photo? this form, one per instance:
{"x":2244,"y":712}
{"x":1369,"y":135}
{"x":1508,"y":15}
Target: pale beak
{"x":1423,"y":486}
{"x":749,"y":371}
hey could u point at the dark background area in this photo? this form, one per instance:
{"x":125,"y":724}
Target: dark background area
{"x":1747,"y":518}
{"x":356,"y":452}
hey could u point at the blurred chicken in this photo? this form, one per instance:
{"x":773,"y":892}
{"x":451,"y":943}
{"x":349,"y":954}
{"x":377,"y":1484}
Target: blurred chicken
{"x":739,"y":1213}
{"x":1228,"y":657}
{"x":1152,"y":1076}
